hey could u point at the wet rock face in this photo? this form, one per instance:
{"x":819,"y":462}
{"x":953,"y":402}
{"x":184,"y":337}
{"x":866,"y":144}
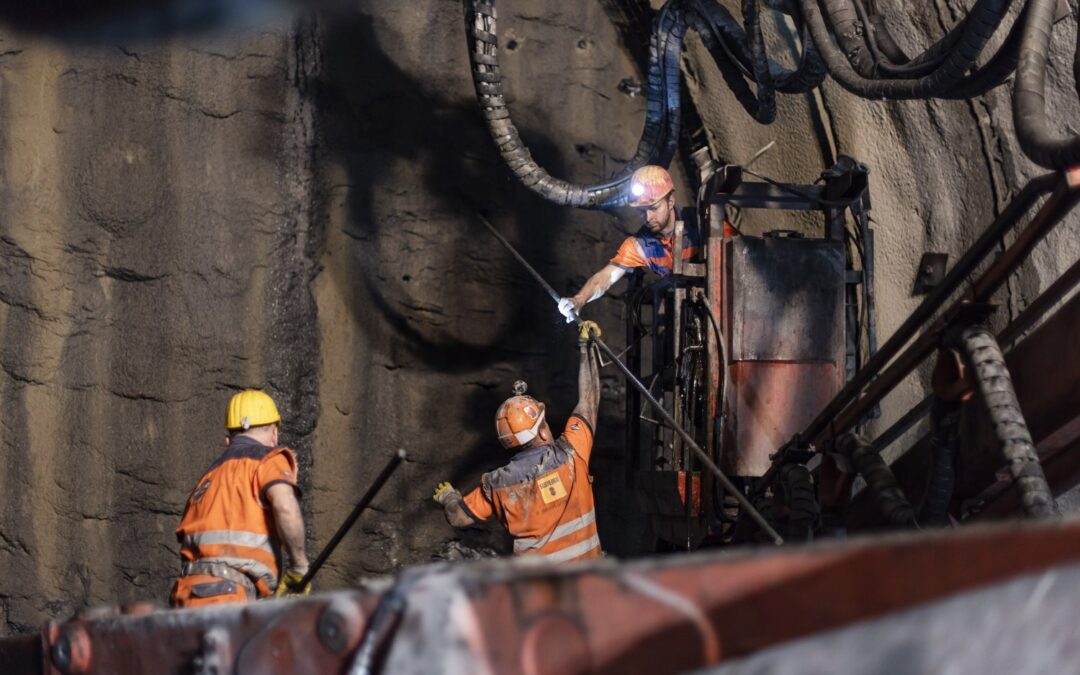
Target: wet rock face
{"x":288,"y":209}
{"x":157,"y":248}
{"x":293,"y":208}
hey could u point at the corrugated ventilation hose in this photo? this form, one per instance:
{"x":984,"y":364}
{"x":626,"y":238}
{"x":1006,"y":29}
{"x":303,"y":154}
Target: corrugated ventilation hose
{"x":994,"y":383}
{"x":944,"y":441}
{"x":890,"y":499}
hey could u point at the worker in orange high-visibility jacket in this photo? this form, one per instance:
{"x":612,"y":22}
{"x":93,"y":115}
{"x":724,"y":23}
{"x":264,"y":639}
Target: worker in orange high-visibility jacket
{"x":242,"y":511}
{"x":652,"y":193}
{"x":543,"y":497}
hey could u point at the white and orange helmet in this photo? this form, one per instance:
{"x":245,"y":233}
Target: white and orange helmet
{"x":519,"y":418}
{"x":649,"y":184}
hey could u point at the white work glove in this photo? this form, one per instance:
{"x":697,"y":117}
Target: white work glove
{"x":567,"y":309}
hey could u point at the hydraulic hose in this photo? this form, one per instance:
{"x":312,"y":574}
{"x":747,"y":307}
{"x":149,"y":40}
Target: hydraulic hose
{"x":979,"y":26}
{"x":731,"y":49}
{"x":735,"y":63}
{"x":994,"y":383}
{"x":802,"y":505}
{"x":889,"y":497}
{"x":944,"y":442}
{"x":659,"y":136}
{"x":1038,"y":141}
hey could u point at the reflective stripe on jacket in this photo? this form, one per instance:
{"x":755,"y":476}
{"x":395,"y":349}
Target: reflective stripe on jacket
{"x":544,"y":498}
{"x":227,"y":520}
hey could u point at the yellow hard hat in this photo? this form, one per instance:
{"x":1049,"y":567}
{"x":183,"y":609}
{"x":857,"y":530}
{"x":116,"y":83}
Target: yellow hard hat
{"x":249,"y":409}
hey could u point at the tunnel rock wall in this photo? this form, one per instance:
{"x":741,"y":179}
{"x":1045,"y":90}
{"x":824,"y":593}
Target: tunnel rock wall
{"x":295,"y":208}
{"x":290,"y":208}
{"x":156,"y":247}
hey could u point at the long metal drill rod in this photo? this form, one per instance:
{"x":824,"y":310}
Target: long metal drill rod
{"x":524,"y":263}
{"x":754,"y":514}
{"x":366,"y":500}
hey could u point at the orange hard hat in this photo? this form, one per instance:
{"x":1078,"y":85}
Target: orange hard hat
{"x":519,"y":418}
{"x":650,"y":184}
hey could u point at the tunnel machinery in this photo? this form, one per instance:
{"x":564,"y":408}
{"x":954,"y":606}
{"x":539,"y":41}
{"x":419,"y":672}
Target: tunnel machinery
{"x":763,"y":361}
{"x":746,"y":346}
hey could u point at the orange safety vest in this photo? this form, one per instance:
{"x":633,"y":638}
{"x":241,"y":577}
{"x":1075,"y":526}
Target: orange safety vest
{"x":646,"y":249}
{"x":228,"y":520}
{"x":544,"y":498}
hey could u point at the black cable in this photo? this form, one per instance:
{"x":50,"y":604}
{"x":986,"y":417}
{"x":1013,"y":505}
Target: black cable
{"x":978,"y":27}
{"x":1037,"y":139}
{"x":654,"y":145}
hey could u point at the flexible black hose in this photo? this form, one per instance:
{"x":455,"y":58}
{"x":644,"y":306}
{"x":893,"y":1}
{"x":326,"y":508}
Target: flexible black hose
{"x":849,"y":33}
{"x":659,"y":135}
{"x":994,"y":383}
{"x":1038,"y":141}
{"x":743,"y":48}
{"x":723,"y":36}
{"x":892,"y":61}
{"x":998,"y":69}
{"x":979,"y":26}
{"x":944,"y":442}
{"x":876,"y":35}
{"x":803,"y":509}
{"x":889,"y":497}
{"x":1076,"y":60}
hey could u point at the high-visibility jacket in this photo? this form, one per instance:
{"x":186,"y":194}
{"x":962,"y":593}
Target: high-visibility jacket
{"x":646,"y":249}
{"x":228,"y":519}
{"x":544,"y":497}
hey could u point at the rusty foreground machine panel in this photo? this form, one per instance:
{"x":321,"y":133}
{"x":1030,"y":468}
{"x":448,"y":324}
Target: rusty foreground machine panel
{"x":662,"y":615}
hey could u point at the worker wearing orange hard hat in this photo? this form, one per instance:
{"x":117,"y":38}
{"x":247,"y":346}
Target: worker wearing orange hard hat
{"x":243,"y":509}
{"x":652,"y":192}
{"x":543,"y":497}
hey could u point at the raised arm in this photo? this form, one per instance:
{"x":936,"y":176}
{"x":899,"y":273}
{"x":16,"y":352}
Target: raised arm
{"x":588,"y":379}
{"x":594,"y":288}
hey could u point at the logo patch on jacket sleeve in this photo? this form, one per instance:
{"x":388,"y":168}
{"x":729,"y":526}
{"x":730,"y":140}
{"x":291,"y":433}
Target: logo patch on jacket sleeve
{"x":551,"y":487}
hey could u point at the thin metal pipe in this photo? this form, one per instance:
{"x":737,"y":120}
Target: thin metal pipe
{"x":630,"y":377}
{"x":1023,"y":321}
{"x":366,"y":500}
{"x":1053,"y":209}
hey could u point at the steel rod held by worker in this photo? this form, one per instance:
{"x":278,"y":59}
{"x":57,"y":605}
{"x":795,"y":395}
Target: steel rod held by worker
{"x":364,"y":502}
{"x":754,"y":514}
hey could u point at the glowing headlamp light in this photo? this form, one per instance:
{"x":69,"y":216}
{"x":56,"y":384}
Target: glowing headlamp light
{"x":637,"y":189}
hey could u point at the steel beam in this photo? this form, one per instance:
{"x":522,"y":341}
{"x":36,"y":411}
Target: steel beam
{"x":661,"y":615}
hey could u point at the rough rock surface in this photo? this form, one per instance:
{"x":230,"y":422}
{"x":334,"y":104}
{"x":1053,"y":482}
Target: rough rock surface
{"x":292,"y":208}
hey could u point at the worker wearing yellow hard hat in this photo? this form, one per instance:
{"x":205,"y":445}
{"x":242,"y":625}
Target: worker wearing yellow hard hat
{"x":543,"y":497}
{"x":241,"y":512}
{"x":652,"y":192}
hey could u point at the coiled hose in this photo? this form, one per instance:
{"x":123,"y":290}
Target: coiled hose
{"x":944,"y":442}
{"x":975,"y":31}
{"x":994,"y":383}
{"x":890,"y":499}
{"x":1037,"y":140}
{"x":739,"y":54}
{"x":749,"y":52}
{"x":732,"y":46}
{"x":658,"y":138}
